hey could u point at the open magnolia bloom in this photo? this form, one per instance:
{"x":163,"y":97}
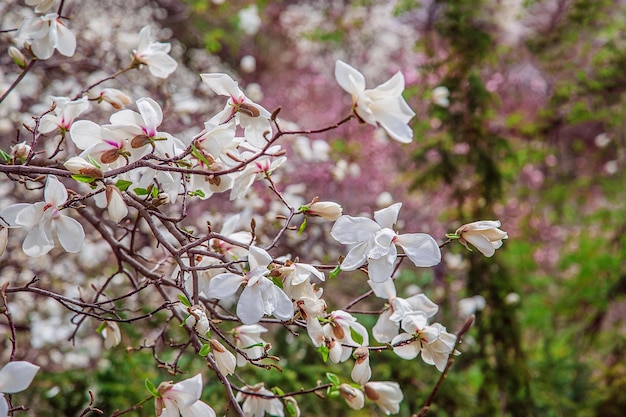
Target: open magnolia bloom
{"x":382,"y":105}
{"x":260,"y":296}
{"x":44,"y":217}
{"x":182,"y":399}
{"x":45,"y":34}
{"x":254,"y":119}
{"x":154,"y":55}
{"x":64,"y":114}
{"x":15,"y":377}
{"x":375,"y":242}
{"x":248,"y":339}
{"x":255,"y":406}
{"x":387,"y":395}
{"x":484,"y":235}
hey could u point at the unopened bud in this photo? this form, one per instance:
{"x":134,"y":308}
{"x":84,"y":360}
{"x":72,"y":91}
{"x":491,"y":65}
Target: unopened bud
{"x":20,"y":151}
{"x":159,"y":200}
{"x":17,"y":56}
{"x":77,"y":165}
{"x":116,"y":207}
{"x":324,"y":209}
{"x":115,"y":98}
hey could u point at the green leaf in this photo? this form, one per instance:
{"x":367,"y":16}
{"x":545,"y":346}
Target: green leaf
{"x":324,"y":351}
{"x":94,"y":162}
{"x":140,"y":191}
{"x":198,"y":193}
{"x":5,"y":156}
{"x":152,"y":389}
{"x":198,"y":155}
{"x":356,"y":336}
{"x":302,"y":227}
{"x":260,"y":344}
{"x":335,"y":272}
{"x":123,"y":185}
{"x":452,"y":236}
{"x":278,"y":391}
{"x":204,"y":350}
{"x":334,"y":379}
{"x":184,"y":300}
{"x":101,"y":327}
{"x":278,"y":282}
{"x":291,"y":408}
{"x":83,"y":178}
{"x":154,"y":192}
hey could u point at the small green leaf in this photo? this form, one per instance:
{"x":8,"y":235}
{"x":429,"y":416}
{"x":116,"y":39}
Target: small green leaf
{"x":278,"y":391}
{"x":140,"y":191}
{"x":83,"y":178}
{"x":198,"y":155}
{"x":204,"y":350}
{"x":335,"y":272}
{"x":260,"y":344}
{"x":303,"y":209}
{"x":291,"y":408}
{"x":123,"y":185}
{"x":198,"y":193}
{"x":356,"y":336}
{"x":278,"y":282}
{"x":152,"y":389}
{"x":324,"y":351}
{"x":334,"y":379}
{"x":182,"y":324}
{"x":5,"y":156}
{"x":101,"y":327}
{"x":154,"y":192}
{"x":184,"y":300}
{"x":452,"y":236}
{"x":302,"y":227}
{"x":94,"y":162}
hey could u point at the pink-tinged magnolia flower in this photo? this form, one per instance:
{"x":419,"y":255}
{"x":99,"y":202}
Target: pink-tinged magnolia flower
{"x":432,"y":341}
{"x":182,"y":399}
{"x":260,"y":296}
{"x":255,"y":406}
{"x":375,"y":242}
{"x":154,"y":55}
{"x":248,"y":339}
{"x":226,"y":361}
{"x":105,"y":144}
{"x":382,"y":105}
{"x":45,"y":34}
{"x":63,"y":115}
{"x":353,"y":396}
{"x":252,"y":171}
{"x":15,"y":377}
{"x":111,"y":334}
{"x":253,"y":118}
{"x":44,"y":217}
{"x":387,"y":395}
{"x":484,"y":235}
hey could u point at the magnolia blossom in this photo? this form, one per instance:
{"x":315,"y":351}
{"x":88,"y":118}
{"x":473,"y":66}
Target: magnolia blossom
{"x":252,"y":171}
{"x":353,"y":396}
{"x":106,"y":144}
{"x":327,"y":210}
{"x":382,"y":105}
{"x":182,"y":399}
{"x":20,"y":151}
{"x":255,"y":406}
{"x":111,"y":334}
{"x":260,"y":296}
{"x":248,"y":339}
{"x":253,"y":118}
{"x":484,"y":235}
{"x":45,"y":34}
{"x":15,"y":377}
{"x":338,"y":334}
{"x":80,"y":166}
{"x":116,"y":206}
{"x":198,"y":319}
{"x":226,"y":361}
{"x":154,"y":55}
{"x":387,"y":395}
{"x":440,"y":96}
{"x":433,"y":341}
{"x":44,"y":217}
{"x":375,"y":242}
{"x":362,"y":372}
{"x":116,"y":98}
{"x":63,"y":115}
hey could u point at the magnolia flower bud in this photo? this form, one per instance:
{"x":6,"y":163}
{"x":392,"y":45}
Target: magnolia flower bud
{"x":20,"y":151}
{"x":325,"y":209}
{"x":17,"y":56}
{"x":161,"y":198}
{"x":116,"y":207}
{"x":387,"y":395}
{"x":361,"y":373}
{"x":483,"y":235}
{"x":115,"y":98}
{"x":77,"y":165}
{"x":198,"y":320}
{"x":353,"y":396}
{"x":225,"y":360}
{"x":111,"y":334}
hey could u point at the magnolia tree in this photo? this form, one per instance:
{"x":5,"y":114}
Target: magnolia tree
{"x":95,"y":174}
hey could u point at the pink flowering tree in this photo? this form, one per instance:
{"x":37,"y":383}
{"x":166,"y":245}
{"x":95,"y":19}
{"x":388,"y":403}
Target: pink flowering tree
{"x":137,"y":212}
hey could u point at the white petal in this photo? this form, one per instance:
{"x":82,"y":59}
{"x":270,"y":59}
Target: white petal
{"x":17,"y":376}
{"x":224,"y":285}
{"x":161,"y":65}
{"x":150,"y":111}
{"x":385,"y":330}
{"x":407,"y":351}
{"x":393,"y":87}
{"x":283,"y":308}
{"x":349,"y":78}
{"x":387,"y":217}
{"x":250,"y":305}
{"x":70,"y":233}
{"x":397,"y":128}
{"x":30,"y":215}
{"x":421,"y":302}
{"x":197,"y":409}
{"x":8,"y":215}
{"x":38,"y":241}
{"x":386,"y":289}
{"x":258,"y":258}
{"x":54,"y":192}
{"x":116,"y":206}
{"x":4,"y":406}
{"x":481,"y":243}
{"x":222,"y":84}
{"x":355,"y":257}
{"x":85,"y":133}
{"x":348,"y":229}
{"x":361,"y":373}
{"x":380,"y":270}
{"x":421,"y":249}
{"x":66,"y":41}
{"x":187,"y":391}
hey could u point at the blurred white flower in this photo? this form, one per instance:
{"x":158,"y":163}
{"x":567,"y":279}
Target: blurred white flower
{"x":111,"y":334}
{"x":470,"y":305}
{"x":41,"y":5}
{"x":45,"y":34}
{"x":248,"y":63}
{"x":248,"y":338}
{"x":255,"y":406}
{"x":440,"y":96}
{"x":154,"y":55}
{"x":249,"y":19}
{"x":484,"y":235}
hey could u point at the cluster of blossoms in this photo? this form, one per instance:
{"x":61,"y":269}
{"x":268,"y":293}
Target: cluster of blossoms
{"x":135,"y":171}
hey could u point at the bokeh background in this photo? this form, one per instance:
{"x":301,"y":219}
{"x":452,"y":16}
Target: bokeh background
{"x":520,"y":117}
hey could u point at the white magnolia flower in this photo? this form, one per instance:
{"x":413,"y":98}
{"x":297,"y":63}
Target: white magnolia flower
{"x":375,"y":242}
{"x":106,"y":144}
{"x":15,"y":377}
{"x":154,"y":55}
{"x":111,"y":334}
{"x":63,"y":115}
{"x":44,"y":217}
{"x":116,"y":206}
{"x":433,"y":341}
{"x":116,"y":98}
{"x":45,"y":34}
{"x":362,"y":372}
{"x":182,"y":399}
{"x":325,"y":209}
{"x":255,"y":406}
{"x":387,"y":395}
{"x":252,"y":171}
{"x":353,"y":396}
{"x":80,"y":166}
{"x":248,"y":339}
{"x":226,"y":361}
{"x":253,"y":118}
{"x":249,"y":19}
{"x":260,"y":296}
{"x":382,"y":105}
{"x":440,"y":96}
{"x":198,"y":320}
{"x":484,"y":235}
{"x":20,"y":150}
